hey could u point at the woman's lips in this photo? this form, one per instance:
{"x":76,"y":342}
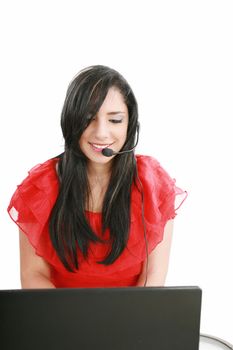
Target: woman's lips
{"x":99,"y":147}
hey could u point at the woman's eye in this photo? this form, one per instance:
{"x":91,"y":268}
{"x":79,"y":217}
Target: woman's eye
{"x":115,"y":121}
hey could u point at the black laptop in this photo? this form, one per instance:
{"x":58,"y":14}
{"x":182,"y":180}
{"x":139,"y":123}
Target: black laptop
{"x":135,"y":318}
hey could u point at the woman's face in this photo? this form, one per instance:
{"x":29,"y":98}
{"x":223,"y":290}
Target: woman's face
{"x":108,"y":128}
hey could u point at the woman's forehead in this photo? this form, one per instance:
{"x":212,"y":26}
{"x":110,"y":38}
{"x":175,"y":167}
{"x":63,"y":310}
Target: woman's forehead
{"x":114,"y":102}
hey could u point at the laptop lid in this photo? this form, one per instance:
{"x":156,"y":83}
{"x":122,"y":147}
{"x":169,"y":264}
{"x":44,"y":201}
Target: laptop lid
{"x":134,"y":318}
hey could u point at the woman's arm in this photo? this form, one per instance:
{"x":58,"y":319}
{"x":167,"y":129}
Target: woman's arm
{"x":158,"y":261}
{"x":34,"y":271}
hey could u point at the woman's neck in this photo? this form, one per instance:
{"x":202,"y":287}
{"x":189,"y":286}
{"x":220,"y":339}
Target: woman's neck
{"x":98,"y":178}
{"x":99,"y":172}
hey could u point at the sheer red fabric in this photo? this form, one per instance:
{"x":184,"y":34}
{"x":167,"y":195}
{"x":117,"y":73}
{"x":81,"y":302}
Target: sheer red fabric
{"x":32,"y":202}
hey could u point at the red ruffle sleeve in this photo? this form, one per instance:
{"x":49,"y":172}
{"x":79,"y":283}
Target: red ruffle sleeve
{"x":31,"y":205}
{"x":160,"y":204}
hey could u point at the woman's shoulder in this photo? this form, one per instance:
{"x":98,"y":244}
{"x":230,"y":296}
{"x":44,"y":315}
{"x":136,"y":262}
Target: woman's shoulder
{"x":151,"y":171}
{"x":38,"y":190}
{"x":42,"y":168}
{"x":160,"y":189}
{"x":41,"y":171}
{"x":42,"y":179}
{"x":42,"y":175}
{"x":146,"y":160}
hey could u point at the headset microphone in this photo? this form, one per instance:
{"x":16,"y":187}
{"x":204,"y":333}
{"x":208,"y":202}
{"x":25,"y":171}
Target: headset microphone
{"x":108,"y":152}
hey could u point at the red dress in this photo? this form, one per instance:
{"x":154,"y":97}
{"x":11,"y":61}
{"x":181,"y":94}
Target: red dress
{"x":35,"y":197}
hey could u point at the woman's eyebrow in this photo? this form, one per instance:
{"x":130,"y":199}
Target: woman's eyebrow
{"x":117,"y":112}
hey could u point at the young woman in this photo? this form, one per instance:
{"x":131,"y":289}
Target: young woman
{"x":94,"y":218}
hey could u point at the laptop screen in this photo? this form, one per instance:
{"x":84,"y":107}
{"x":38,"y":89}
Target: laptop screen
{"x":134,"y":318}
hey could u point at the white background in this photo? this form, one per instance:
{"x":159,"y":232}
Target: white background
{"x":177,"y":56}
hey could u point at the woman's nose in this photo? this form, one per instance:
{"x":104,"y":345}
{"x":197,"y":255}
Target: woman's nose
{"x":101,"y":129}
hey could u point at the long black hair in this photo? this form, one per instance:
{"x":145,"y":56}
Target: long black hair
{"x":69,"y":228}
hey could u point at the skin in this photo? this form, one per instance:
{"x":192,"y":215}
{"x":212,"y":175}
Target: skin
{"x":107,"y":129}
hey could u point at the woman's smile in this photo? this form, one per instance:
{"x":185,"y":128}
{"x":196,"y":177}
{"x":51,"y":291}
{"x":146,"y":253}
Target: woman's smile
{"x":99,"y":147}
